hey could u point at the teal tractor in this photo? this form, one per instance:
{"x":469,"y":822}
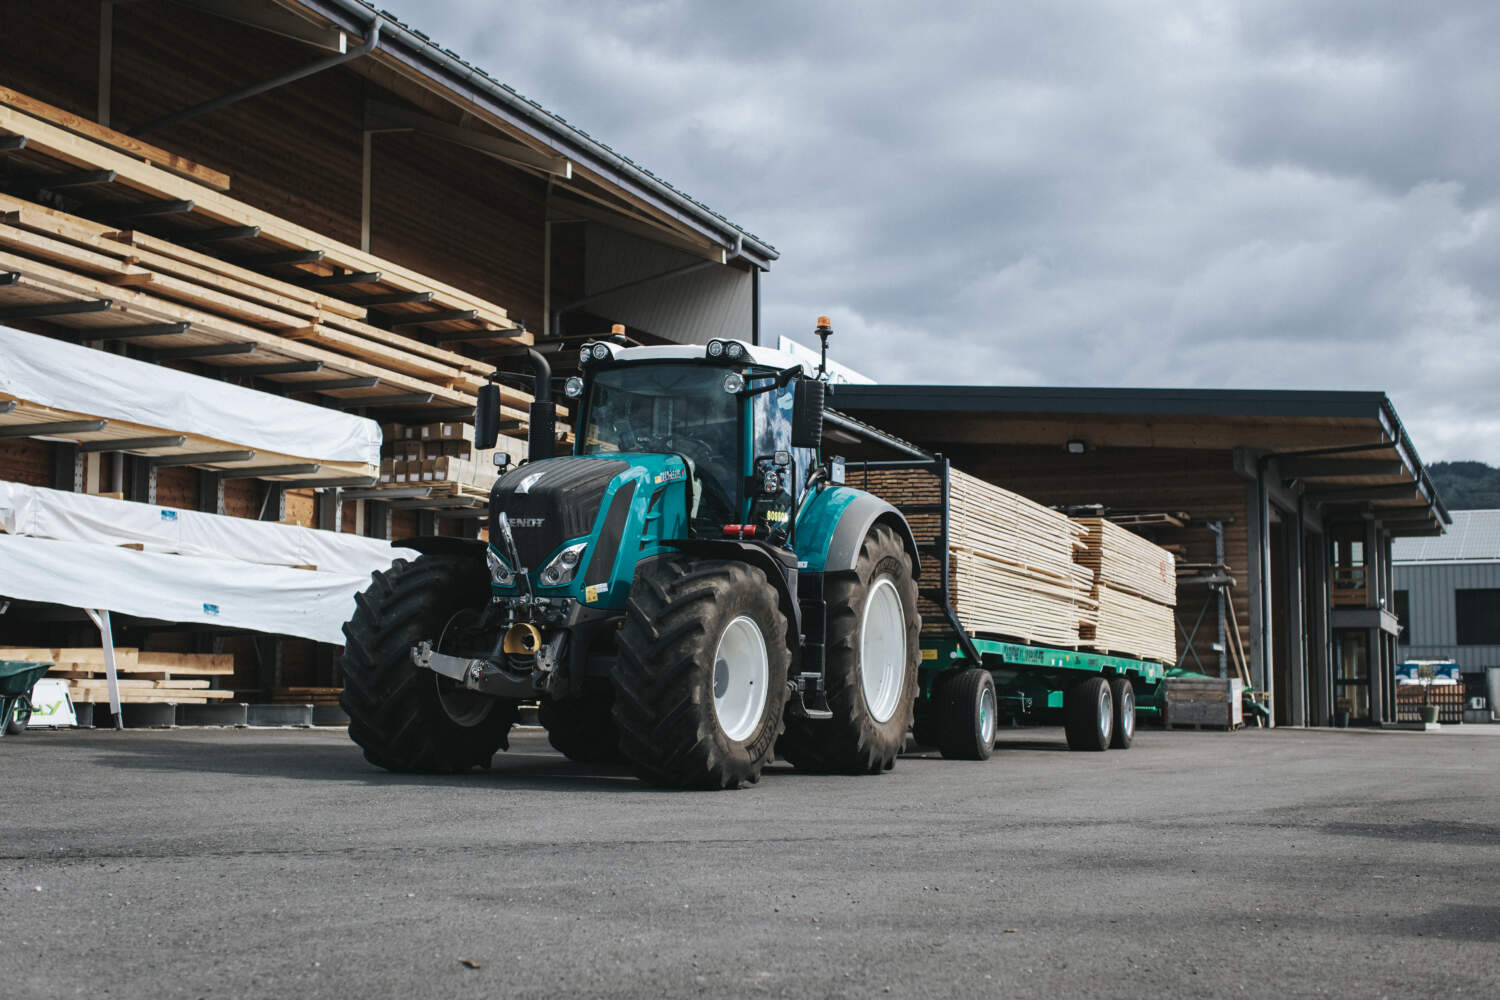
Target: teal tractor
{"x":692,"y":591}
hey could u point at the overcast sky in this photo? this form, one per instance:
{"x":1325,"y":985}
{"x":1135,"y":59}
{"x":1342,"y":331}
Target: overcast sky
{"x":1246,"y":195}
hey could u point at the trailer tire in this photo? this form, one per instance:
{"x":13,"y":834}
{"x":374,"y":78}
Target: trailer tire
{"x":701,"y":680}
{"x":861,"y":739}
{"x":1122,"y":692}
{"x":583,"y":729}
{"x":1089,"y":711}
{"x":967,"y":708}
{"x":403,"y":717}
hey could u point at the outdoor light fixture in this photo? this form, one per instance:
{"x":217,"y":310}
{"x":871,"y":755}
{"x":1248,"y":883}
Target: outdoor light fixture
{"x":585,"y":353}
{"x":1077,"y":447}
{"x":715,"y":348}
{"x":601,"y":351}
{"x":573,"y":387}
{"x":733,"y":382}
{"x":734,"y":351}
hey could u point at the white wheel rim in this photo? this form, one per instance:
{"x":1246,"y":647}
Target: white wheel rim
{"x":1127,"y":710}
{"x":742,"y":672}
{"x":1106,"y":714}
{"x":882,"y":650}
{"x":987,"y":715}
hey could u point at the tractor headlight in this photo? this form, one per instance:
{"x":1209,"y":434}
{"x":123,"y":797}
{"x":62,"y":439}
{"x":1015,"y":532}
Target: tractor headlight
{"x":499,"y":572}
{"x":600,"y":351}
{"x":563,"y":565}
{"x":585,"y":353}
{"x":734,"y":382}
{"x":715,"y":348}
{"x":772,"y":481}
{"x":734,"y":351}
{"x":573,"y":387}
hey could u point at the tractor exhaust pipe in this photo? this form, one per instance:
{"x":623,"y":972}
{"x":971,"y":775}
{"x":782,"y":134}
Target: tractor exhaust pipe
{"x":541,"y":442}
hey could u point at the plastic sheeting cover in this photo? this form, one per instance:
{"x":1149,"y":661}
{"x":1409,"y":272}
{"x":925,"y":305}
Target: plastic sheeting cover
{"x":273,"y":599}
{"x":82,"y":380}
{"x":78,"y":517}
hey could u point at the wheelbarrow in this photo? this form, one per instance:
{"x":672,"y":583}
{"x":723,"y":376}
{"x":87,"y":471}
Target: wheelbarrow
{"x":17,"y":678}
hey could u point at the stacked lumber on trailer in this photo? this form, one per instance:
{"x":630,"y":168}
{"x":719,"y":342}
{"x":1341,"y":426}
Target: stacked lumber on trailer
{"x":144,"y":677}
{"x":1135,"y":585}
{"x":1011,"y":568}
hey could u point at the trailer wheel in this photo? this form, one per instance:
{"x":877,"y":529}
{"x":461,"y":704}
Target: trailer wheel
{"x":967,"y":710}
{"x":871,"y":659}
{"x":1089,"y":714}
{"x":1122,"y":693}
{"x":583,"y":729}
{"x":701,"y":680}
{"x":403,"y":717}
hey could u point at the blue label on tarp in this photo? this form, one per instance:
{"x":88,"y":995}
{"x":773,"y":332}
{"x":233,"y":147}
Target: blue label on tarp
{"x":210,"y":609}
{"x":169,"y":515}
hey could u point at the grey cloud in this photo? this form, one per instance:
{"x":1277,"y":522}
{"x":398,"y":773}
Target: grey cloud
{"x":1263,"y":193}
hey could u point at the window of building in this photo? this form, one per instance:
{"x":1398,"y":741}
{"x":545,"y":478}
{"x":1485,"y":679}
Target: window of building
{"x":1403,"y":614}
{"x":1478,"y":617}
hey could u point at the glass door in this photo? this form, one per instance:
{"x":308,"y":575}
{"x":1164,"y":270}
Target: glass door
{"x":1351,"y":675}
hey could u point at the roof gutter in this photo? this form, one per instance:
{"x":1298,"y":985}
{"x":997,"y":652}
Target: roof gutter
{"x":442,"y":66}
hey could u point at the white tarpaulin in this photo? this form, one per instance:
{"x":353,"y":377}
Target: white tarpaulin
{"x":82,"y":380}
{"x":78,"y":517}
{"x":273,"y":599}
{"x":65,"y":548}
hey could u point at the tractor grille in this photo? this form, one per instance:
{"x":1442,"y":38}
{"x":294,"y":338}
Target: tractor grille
{"x":561,"y":499}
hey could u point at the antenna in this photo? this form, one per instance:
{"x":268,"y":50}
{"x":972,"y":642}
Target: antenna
{"x":824,"y":331}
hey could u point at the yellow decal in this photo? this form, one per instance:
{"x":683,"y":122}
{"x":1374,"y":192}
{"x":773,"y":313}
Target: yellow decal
{"x":591,"y":594}
{"x":929,"y":654}
{"x":776,"y":515}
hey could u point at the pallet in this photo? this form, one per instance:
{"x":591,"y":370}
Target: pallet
{"x":143,"y":677}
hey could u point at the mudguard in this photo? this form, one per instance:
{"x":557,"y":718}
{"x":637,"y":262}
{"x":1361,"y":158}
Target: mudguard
{"x":834,"y":524}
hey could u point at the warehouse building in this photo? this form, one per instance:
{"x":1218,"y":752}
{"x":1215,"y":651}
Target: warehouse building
{"x":1447,"y":596}
{"x":1281,"y":506}
{"x":315,"y":211}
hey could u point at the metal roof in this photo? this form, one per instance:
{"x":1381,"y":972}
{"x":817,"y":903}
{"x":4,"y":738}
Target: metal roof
{"x":1474,"y":536}
{"x":408,"y":46}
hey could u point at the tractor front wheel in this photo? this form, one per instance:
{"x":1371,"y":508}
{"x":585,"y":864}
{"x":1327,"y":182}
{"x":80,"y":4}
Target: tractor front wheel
{"x":870,"y":665}
{"x":701,"y":680}
{"x":403,"y":717}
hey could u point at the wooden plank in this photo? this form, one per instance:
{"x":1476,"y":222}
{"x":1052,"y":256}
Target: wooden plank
{"x":79,"y":125}
{"x":125,"y":656}
{"x":157,"y":183}
{"x":186,"y":663}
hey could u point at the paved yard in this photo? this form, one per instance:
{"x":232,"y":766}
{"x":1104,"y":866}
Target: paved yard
{"x":199,"y":863}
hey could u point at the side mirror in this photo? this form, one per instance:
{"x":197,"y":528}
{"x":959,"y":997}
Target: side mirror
{"x":808,"y":401}
{"x":487,"y":417}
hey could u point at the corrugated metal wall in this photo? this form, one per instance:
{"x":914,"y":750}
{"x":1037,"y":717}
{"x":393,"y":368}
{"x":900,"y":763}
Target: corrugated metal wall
{"x":690,"y":309}
{"x":1433,"y":624}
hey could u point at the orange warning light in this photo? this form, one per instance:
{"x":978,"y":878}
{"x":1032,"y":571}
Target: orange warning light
{"x":824,"y":321}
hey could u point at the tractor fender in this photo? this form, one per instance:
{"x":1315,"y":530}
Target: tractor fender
{"x":854,"y":524}
{"x":437,"y":545}
{"x":783,"y":576}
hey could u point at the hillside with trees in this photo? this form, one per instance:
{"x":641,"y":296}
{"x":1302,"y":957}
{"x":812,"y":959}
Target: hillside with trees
{"x":1466,"y":485}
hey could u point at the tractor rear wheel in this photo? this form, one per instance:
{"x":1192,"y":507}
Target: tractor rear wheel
{"x":583,"y":729}
{"x":403,"y":717}
{"x":870,"y":665}
{"x":1089,"y":714}
{"x":701,"y":680}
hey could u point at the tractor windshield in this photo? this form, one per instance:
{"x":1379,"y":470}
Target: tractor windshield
{"x":671,"y":408}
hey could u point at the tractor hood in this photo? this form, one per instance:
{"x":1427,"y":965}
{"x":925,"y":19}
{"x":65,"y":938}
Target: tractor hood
{"x":549,"y":501}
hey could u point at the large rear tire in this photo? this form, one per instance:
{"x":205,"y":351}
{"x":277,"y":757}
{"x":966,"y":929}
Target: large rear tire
{"x":701,"y":681}
{"x":583,"y":729}
{"x":872,"y":652}
{"x":403,"y":717}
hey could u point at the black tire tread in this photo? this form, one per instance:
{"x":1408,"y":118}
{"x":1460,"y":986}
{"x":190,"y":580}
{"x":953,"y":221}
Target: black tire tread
{"x":1081,"y":721}
{"x":958,"y":733}
{"x":663,"y":712}
{"x":394,"y":714}
{"x":1119,"y":739}
{"x":582,"y":729}
{"x":851,"y":742}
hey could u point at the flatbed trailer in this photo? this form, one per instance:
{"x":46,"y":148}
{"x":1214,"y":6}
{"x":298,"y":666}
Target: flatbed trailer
{"x":970,"y":683}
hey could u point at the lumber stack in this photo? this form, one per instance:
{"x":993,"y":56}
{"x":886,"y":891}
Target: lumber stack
{"x":1134,"y":584}
{"x":1012,"y":573}
{"x":144,"y":677}
{"x":441,"y":455}
{"x":220,"y":281}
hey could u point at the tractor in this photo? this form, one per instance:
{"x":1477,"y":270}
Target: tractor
{"x":692,"y":591}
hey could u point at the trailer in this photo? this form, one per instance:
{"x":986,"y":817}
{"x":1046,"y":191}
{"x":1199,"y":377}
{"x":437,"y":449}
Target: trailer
{"x":971,"y":678}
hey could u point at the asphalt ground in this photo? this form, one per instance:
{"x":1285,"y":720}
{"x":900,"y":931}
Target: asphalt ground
{"x":201,"y":863}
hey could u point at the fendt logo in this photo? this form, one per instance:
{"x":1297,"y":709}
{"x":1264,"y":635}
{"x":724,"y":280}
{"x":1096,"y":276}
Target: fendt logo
{"x":527,"y":522}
